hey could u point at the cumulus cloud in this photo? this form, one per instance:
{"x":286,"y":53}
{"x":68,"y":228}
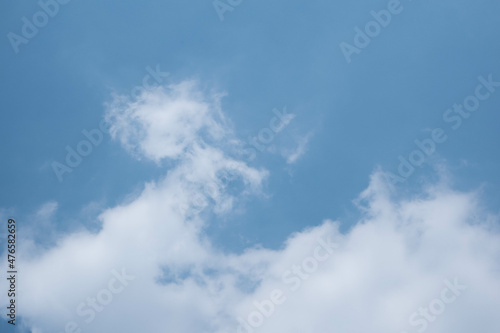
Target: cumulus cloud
{"x":397,"y":259}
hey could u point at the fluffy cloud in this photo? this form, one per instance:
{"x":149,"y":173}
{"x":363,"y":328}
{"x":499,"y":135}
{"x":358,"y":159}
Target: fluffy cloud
{"x":166,"y":121}
{"x":164,"y":275}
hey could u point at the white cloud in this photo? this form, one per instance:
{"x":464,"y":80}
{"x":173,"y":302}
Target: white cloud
{"x":293,"y":155}
{"x":47,"y":210}
{"x":166,"y":121}
{"x":393,"y":261}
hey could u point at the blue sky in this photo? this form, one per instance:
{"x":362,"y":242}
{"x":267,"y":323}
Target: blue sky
{"x":349,"y":119}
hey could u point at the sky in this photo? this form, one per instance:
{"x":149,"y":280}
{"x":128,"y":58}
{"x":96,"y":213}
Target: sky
{"x":250,"y":166}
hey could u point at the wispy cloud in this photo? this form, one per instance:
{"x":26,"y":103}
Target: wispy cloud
{"x":294,"y":155}
{"x":377,"y":275}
